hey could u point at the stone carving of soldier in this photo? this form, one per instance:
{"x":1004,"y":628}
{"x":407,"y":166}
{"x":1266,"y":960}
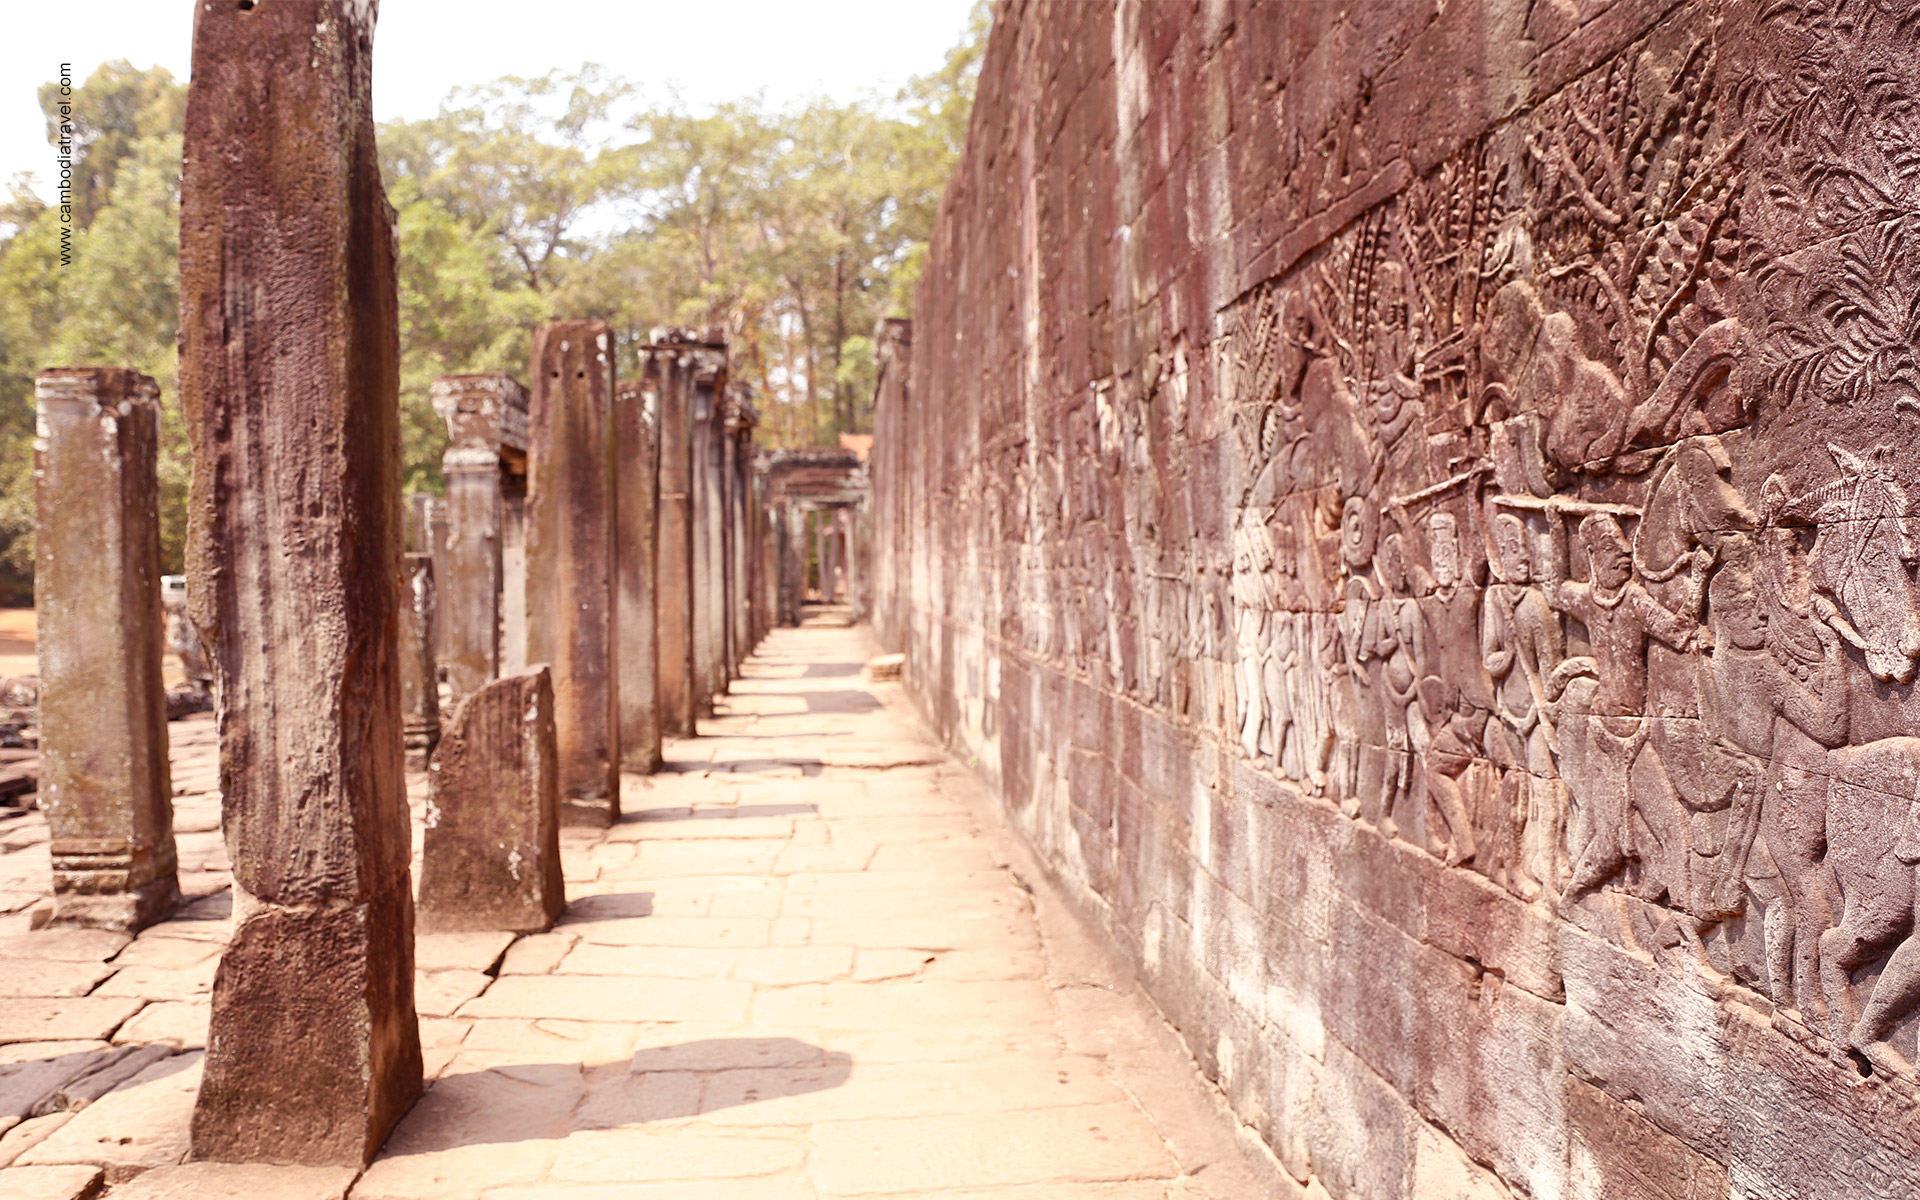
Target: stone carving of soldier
{"x":1770,"y":705}
{"x":1399,"y":642}
{"x":1610,"y":770}
{"x":1286,"y":624}
{"x":1362,"y":728}
{"x":1520,"y":643}
{"x":1253,"y":595}
{"x":1454,"y":699}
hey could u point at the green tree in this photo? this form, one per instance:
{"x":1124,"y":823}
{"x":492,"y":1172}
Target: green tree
{"x":115,"y":304}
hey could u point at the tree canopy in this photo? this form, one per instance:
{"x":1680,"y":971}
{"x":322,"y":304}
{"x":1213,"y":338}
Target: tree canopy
{"x":520,"y":201}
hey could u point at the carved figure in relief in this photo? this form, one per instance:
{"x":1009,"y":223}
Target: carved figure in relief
{"x":1454,"y":702}
{"x":1613,"y":773}
{"x":1282,"y":657}
{"x":1399,"y":639}
{"x":1252,"y":606}
{"x":1761,"y":761}
{"x":1366,"y":776}
{"x":1520,"y":642}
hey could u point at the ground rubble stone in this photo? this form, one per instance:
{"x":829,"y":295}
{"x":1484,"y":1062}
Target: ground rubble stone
{"x":491,"y":856}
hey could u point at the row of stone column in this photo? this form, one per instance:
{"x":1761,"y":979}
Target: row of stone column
{"x":597,"y":573}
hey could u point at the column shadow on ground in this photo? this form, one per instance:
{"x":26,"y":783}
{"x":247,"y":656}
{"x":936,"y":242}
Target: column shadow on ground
{"x":826,"y":670}
{"x":662,"y":1083}
{"x":745,"y":766}
{"x":654,"y":815}
{"x":840,"y":702}
{"x":607,"y":906}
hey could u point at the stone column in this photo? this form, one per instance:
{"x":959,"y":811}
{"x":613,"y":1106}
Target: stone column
{"x":740,"y":524}
{"x":427,"y":534}
{"x":705,"y":438}
{"x":726,"y":635}
{"x":289,"y":376}
{"x":570,"y":558}
{"x":636,"y":408}
{"x":513,"y":567}
{"x":823,"y":552}
{"x":673,"y":546}
{"x":486,"y":418}
{"x":104,"y":783}
{"x":419,"y":671}
{"x":793,"y":562}
{"x":854,"y":550}
{"x":491,"y":858}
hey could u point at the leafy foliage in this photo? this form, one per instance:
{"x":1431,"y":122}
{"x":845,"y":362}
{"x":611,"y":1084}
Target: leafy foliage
{"x":521,"y":201}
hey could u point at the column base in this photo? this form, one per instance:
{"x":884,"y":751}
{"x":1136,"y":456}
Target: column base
{"x":313,"y":1050}
{"x":581,"y":812}
{"x":126,"y":911}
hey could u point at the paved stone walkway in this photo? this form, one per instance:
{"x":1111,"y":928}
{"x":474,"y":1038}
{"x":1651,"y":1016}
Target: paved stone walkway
{"x":809,"y":963}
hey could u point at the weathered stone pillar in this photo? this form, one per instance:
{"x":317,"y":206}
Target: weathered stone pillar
{"x":570,"y":558}
{"x":708,"y":587}
{"x":419,"y":670}
{"x":772,"y":536}
{"x":104,"y":783}
{"x":289,"y":375}
{"x":636,"y":407}
{"x":673,"y":545}
{"x":726,"y":429}
{"x":492,"y":853}
{"x":793,"y":564}
{"x":513,"y":567}
{"x":486,"y":418}
{"x":427,"y":534}
{"x":823,"y":552}
{"x":853,"y":550}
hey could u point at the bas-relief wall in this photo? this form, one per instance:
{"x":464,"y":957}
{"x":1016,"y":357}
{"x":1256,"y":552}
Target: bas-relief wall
{"x":1409,"y":505}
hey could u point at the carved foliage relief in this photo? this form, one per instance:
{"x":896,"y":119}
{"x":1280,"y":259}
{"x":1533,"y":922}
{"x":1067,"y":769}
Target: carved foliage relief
{"x":1573,"y":539}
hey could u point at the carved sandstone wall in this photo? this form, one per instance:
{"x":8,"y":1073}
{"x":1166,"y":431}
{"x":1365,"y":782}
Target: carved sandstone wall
{"x":1407,"y":503}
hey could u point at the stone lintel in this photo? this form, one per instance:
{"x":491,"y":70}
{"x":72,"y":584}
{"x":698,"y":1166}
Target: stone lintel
{"x":486,"y":410}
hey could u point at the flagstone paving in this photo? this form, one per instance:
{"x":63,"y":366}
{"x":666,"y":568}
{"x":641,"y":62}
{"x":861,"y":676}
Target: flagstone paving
{"x":809,"y":962}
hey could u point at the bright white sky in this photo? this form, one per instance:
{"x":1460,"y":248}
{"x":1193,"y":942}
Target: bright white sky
{"x":785,"y":50}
